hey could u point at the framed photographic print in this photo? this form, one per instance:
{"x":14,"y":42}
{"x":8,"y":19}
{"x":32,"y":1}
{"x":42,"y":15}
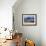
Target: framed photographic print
{"x":29,"y":19}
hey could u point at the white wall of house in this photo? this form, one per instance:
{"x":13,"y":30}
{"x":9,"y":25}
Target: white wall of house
{"x":43,"y":22}
{"x":28,"y":7}
{"x":35,"y":33}
{"x":6,"y":13}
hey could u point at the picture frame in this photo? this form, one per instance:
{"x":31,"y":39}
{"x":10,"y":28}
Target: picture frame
{"x":29,"y":19}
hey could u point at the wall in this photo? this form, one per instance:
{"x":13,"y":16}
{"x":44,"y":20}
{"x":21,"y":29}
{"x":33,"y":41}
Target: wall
{"x":28,"y":7}
{"x":43,"y":22}
{"x":6,"y":13}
